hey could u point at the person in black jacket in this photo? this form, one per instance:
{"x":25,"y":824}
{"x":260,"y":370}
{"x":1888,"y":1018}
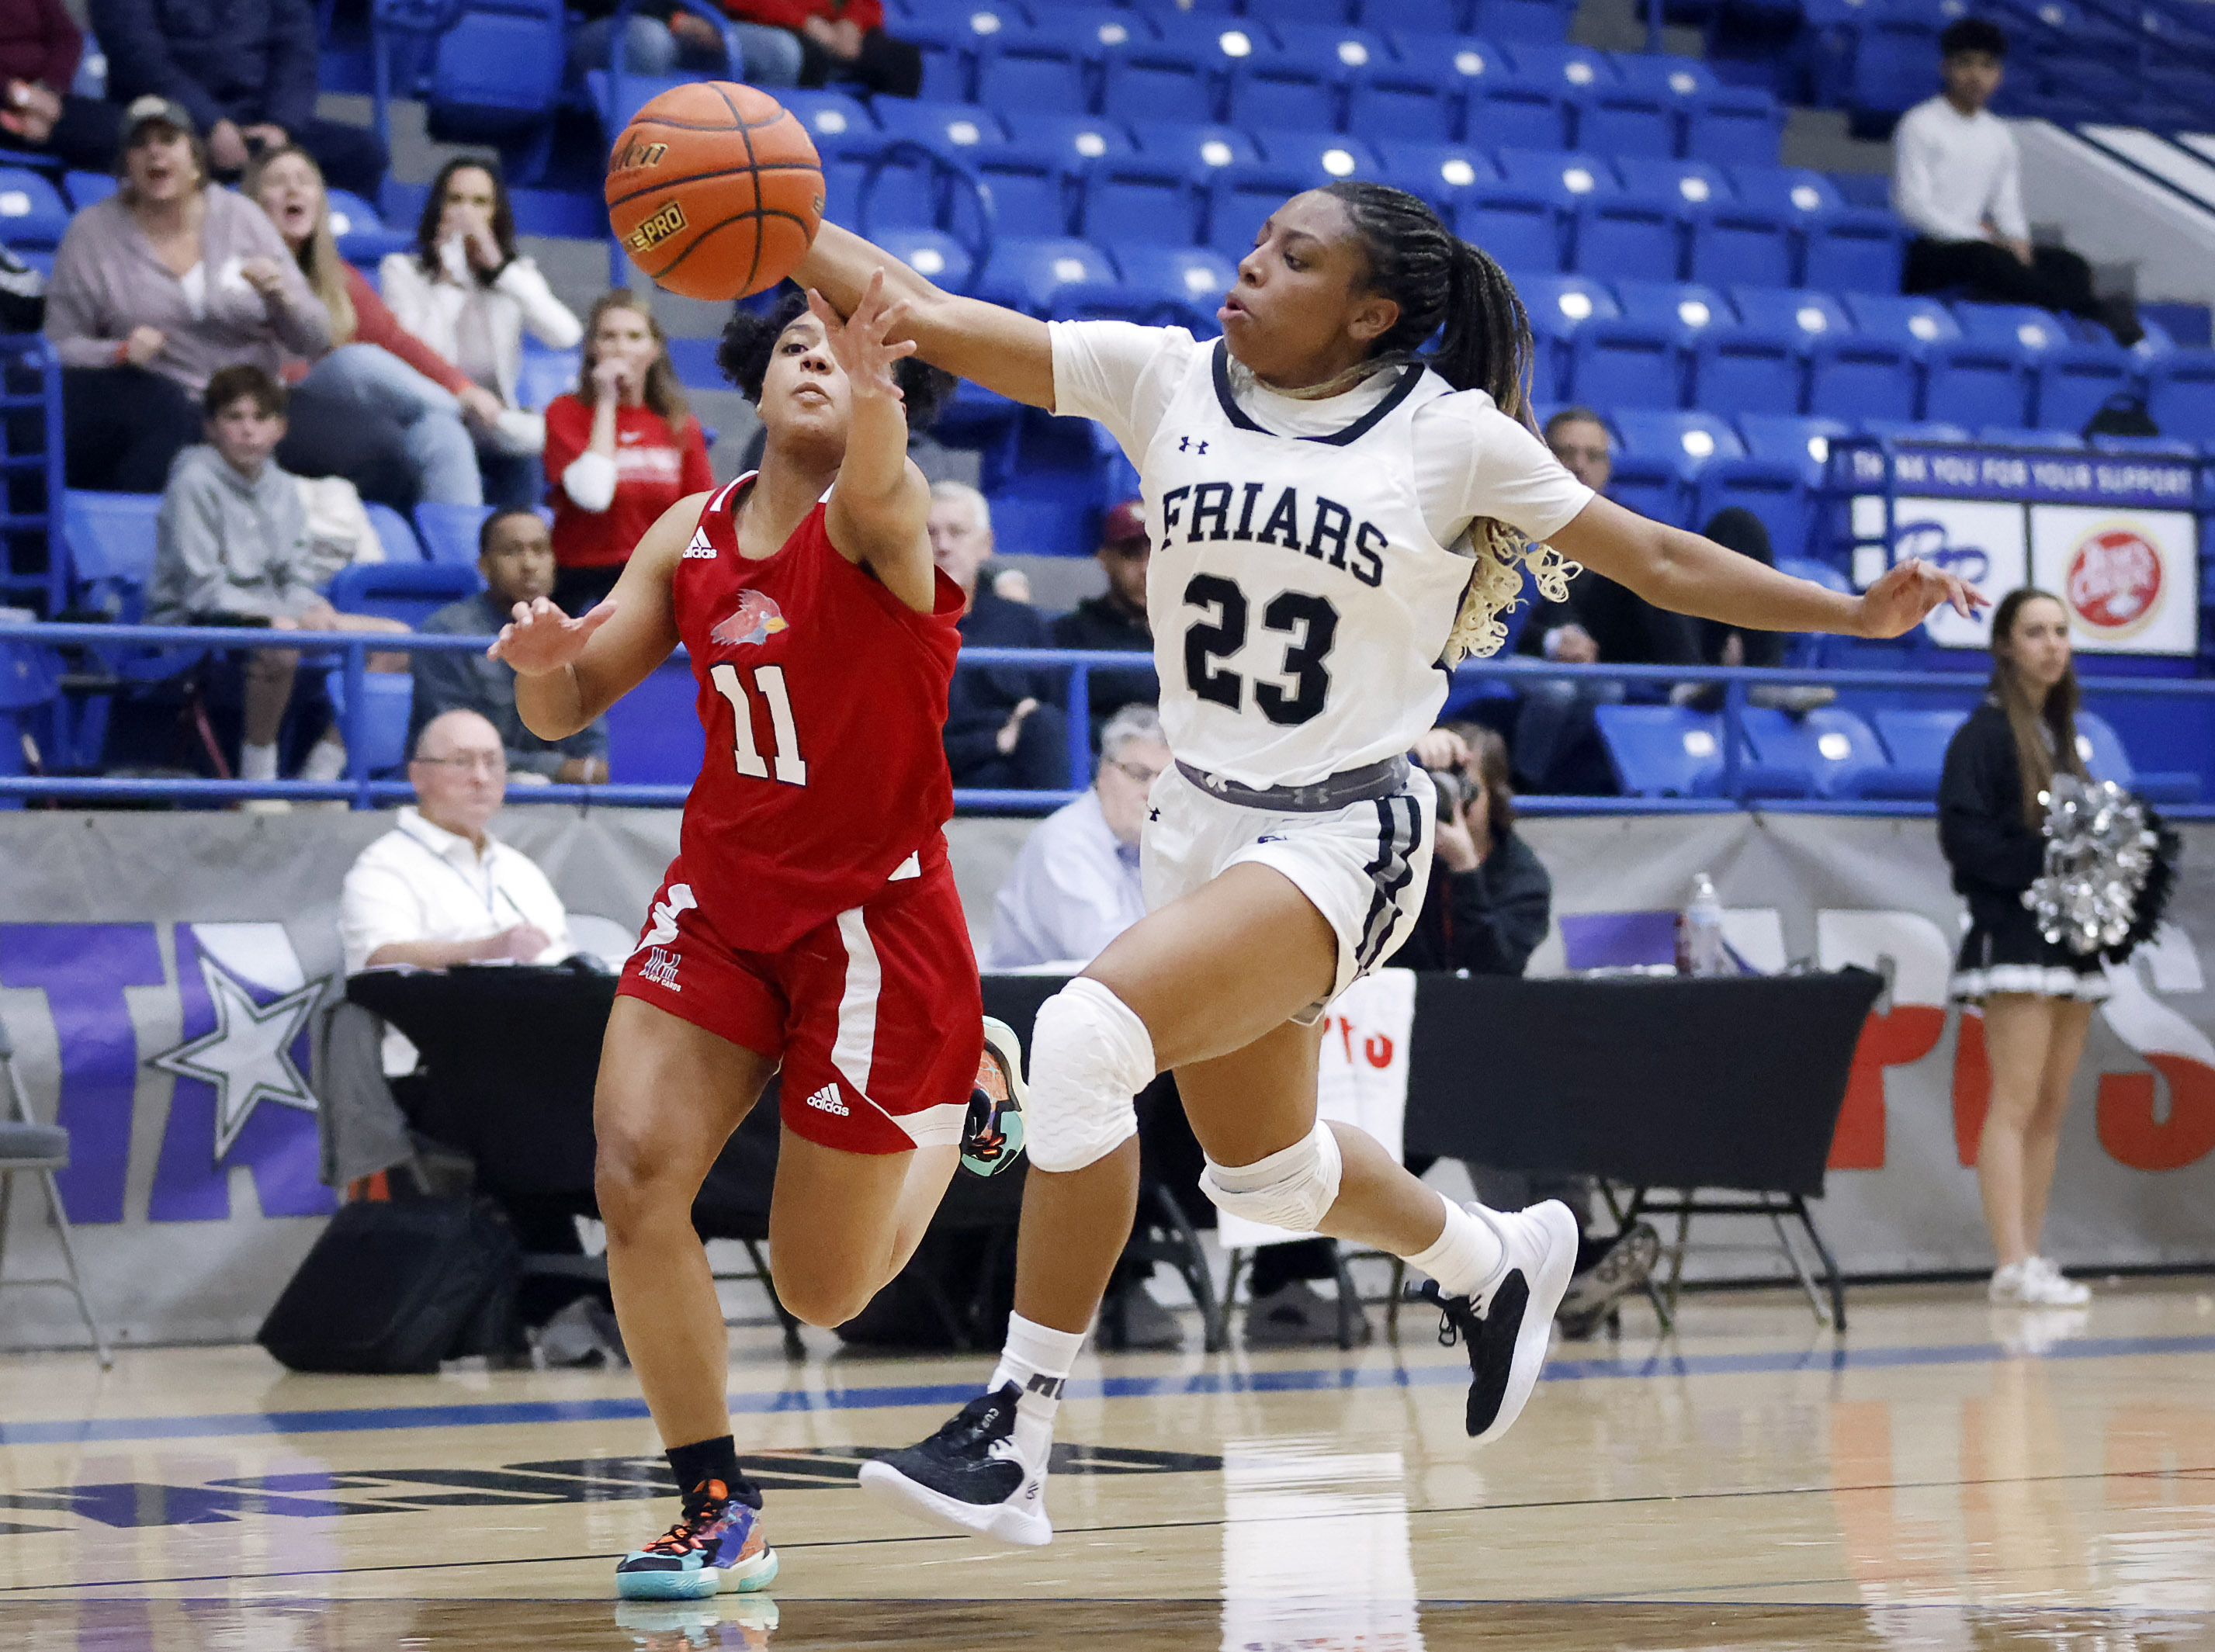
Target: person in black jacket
{"x":1003,"y":727}
{"x":1491,"y":898}
{"x":1116,"y":619}
{"x":2036,"y":994}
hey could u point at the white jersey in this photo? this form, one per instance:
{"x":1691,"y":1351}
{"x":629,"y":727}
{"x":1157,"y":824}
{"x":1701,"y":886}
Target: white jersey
{"x":1305,"y":572}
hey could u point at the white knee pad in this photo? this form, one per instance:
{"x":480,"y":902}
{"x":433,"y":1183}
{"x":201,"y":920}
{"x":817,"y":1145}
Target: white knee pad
{"x":1090,"y":1058}
{"x":1289,"y":1189}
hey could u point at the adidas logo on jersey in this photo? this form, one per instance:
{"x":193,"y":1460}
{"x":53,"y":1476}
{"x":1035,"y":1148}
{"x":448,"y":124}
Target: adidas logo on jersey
{"x":699,"y":548}
{"x":826,"y":1099}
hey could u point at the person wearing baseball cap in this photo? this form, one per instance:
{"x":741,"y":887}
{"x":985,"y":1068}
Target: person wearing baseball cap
{"x":1116,"y":619}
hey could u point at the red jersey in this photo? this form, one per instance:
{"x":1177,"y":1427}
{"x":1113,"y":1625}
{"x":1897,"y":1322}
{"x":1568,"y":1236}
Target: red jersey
{"x":824,"y":700}
{"x":655,"y":466}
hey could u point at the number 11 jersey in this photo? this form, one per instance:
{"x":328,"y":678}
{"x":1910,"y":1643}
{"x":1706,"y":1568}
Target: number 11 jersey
{"x":822,"y":697}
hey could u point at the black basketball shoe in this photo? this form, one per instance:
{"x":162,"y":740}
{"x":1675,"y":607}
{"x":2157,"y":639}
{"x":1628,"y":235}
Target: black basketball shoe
{"x":1508,"y":1328}
{"x":971,"y":1476}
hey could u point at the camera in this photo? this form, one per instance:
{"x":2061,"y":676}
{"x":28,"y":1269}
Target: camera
{"x":1452,"y":788}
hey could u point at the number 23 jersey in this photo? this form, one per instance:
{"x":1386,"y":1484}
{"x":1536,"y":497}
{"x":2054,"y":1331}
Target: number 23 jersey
{"x":822,"y":697}
{"x":1302,"y":584}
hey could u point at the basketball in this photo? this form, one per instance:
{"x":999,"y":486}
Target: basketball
{"x":714,"y":190}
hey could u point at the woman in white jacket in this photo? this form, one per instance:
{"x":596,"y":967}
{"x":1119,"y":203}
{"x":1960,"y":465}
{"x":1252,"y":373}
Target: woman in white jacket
{"x":467,"y":292}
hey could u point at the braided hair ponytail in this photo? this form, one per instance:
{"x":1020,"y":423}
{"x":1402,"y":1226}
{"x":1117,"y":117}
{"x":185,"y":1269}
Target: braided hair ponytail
{"x":1446,"y":287}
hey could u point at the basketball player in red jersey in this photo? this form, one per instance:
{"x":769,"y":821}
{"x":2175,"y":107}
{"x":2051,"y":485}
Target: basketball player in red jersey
{"x":810,"y":919}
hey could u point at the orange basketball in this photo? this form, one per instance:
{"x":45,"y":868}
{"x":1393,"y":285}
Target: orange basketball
{"x":714,"y":190}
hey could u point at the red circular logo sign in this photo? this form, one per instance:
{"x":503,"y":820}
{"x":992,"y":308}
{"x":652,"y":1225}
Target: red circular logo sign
{"x":2114,"y":580}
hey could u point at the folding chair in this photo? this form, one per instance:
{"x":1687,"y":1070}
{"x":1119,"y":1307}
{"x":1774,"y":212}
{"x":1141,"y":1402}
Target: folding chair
{"x":27,"y":1147}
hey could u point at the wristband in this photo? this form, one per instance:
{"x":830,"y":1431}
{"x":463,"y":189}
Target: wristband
{"x":122,"y":353}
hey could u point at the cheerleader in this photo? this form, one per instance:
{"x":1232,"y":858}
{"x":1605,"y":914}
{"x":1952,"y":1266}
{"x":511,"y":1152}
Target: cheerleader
{"x":2036,"y":994}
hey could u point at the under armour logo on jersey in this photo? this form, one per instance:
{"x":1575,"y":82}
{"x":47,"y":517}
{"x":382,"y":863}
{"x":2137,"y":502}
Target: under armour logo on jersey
{"x":662,"y":929}
{"x":828,"y":1100}
{"x":1185,"y":445}
{"x":1153,"y":814}
{"x":699,"y":548}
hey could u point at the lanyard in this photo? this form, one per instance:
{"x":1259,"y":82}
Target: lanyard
{"x":487,"y":895}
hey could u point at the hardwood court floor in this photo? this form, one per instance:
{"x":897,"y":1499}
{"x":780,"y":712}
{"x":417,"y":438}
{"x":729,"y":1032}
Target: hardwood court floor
{"x":1950,"y":1477}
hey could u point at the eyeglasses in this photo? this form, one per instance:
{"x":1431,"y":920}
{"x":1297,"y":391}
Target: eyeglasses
{"x":484,"y":762}
{"x":1137,"y":773}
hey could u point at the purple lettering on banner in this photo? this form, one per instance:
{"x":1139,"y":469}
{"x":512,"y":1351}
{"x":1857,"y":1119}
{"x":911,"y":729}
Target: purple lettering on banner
{"x":83,"y":969}
{"x":241,"y":1096}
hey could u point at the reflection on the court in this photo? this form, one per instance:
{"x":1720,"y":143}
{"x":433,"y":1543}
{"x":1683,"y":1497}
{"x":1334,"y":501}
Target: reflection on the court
{"x":1314,"y":1550}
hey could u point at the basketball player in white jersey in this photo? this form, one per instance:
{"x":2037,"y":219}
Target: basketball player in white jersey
{"x":1333,"y":518}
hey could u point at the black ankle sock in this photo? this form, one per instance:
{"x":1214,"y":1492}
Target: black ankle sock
{"x":705,"y":1461}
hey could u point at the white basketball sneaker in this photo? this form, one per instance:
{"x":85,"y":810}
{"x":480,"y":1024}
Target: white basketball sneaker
{"x":1508,"y":1326}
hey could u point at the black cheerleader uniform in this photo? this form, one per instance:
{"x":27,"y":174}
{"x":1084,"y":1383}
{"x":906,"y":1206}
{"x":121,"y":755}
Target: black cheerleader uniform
{"x":1995,"y":857}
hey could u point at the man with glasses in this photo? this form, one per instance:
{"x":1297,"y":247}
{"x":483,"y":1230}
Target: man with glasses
{"x":1116,"y":619}
{"x":1556,"y":747}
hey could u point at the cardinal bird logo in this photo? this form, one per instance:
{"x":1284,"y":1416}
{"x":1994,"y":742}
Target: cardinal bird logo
{"x":755,"y":619}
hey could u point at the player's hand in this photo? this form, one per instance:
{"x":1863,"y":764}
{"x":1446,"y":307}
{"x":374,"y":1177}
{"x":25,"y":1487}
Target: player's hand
{"x":861,"y":344}
{"x":1441,"y":749}
{"x":541,"y":639}
{"x":1906,"y":595}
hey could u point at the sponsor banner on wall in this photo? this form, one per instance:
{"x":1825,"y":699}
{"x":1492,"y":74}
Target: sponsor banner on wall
{"x":2129,"y":578}
{"x":157,"y":971}
{"x":2121,"y":480}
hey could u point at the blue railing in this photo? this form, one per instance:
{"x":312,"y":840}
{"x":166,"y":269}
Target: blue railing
{"x":364,"y":791}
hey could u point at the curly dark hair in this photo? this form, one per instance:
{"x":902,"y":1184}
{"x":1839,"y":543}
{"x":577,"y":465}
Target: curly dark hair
{"x":750,"y":336}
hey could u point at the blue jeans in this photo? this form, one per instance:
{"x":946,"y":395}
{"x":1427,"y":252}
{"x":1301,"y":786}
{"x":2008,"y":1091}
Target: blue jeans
{"x":772,"y":57}
{"x":368,"y":400}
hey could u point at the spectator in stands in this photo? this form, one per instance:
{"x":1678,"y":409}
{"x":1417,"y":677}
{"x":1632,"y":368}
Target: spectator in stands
{"x":515,"y":554}
{"x":621,"y":448}
{"x":154,"y":289}
{"x":839,"y":40}
{"x":440,"y":890}
{"x":1003,"y":727}
{"x":2037,"y":995}
{"x":1957,"y":179}
{"x":232,"y":547}
{"x":664,"y":38}
{"x":1557,"y":748}
{"x":468,"y":293}
{"x":383,"y":409}
{"x":39,"y":47}
{"x":1116,"y":619}
{"x":245,"y":73}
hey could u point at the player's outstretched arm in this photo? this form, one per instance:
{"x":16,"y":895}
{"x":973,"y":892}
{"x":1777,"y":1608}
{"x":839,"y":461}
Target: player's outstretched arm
{"x":1001,"y":349}
{"x":880,"y":509}
{"x":568,"y":671}
{"x":1680,"y":571}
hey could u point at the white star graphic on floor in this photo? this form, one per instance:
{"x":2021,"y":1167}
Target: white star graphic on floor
{"x":249,"y":1055}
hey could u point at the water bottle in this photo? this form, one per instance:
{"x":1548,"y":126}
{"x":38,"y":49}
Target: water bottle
{"x":1700,"y":931}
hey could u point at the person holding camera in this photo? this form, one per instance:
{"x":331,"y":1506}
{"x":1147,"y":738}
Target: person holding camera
{"x":1491,"y":898}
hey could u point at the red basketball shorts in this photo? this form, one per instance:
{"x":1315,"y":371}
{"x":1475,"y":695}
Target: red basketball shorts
{"x":876,"y":1015}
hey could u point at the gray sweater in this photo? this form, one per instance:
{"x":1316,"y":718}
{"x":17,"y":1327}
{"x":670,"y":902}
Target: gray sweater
{"x":224,"y":545}
{"x":107,"y":281}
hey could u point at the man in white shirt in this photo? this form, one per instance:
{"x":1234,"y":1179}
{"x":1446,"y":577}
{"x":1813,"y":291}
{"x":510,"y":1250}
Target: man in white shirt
{"x":1075,"y":887}
{"x":1957,"y":179}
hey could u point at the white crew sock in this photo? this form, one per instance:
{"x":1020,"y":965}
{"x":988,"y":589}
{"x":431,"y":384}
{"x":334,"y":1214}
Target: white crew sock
{"x":1038,"y":1360}
{"x":257,"y":762}
{"x":1468,"y":1255}
{"x":326,"y":762}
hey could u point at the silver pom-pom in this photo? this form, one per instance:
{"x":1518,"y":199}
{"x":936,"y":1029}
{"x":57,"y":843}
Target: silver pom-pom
{"x":2099,"y":852}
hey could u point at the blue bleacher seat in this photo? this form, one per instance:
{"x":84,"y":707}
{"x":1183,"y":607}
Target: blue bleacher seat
{"x":1965,"y":383}
{"x":1096,"y":31}
{"x":1773,"y":491}
{"x":401,"y":548}
{"x":495,"y":77}
{"x":1735,"y":125}
{"x":408,"y":592}
{"x":1078,"y":139}
{"x":1540,"y":22}
{"x":1025,"y":270}
{"x":1565,"y":176}
{"x":1504,"y":108}
{"x":1855,"y":249}
{"x":380,"y":734}
{"x":1748,"y":369}
{"x":33,"y":214}
{"x":1870,"y":189}
{"x":1692,"y":182}
{"x":1798,"y":310}
{"x":1521,"y":230}
{"x":1574,"y":70}
{"x":1309,"y":11}
{"x":951,"y":42}
{"x":1157,"y":83}
{"x":449,"y":532}
{"x":1441,"y":173}
{"x":1436,"y":17}
{"x":1688,"y":307}
{"x":1277,"y":91}
{"x":2104,"y":755}
{"x":952,"y":128}
{"x":1916,"y":740}
{"x":2075,"y":379}
{"x":1241,"y":200}
{"x":1322,"y":157}
{"x":1663,"y":752}
{"x":81,"y":189}
{"x":1621,"y":364}
{"x":1678,"y":77}
{"x":1131,"y":199}
{"x":1030,"y":71}
{"x":2025,"y":436}
{"x":1405,"y":102}
{"x":1786,"y":189}
{"x":1855,"y":377}
{"x":933,"y":253}
{"x":1688,"y":440}
{"x":1626,"y":120}
{"x":1791,"y":439}
{"x":1930,"y":431}
{"x":1916,"y":323}
{"x":1204,"y":147}
{"x":2181,"y":394}
{"x":827,"y":115}
{"x":1649,"y":486}
{"x":1191,"y":276}
{"x":363,"y":236}
{"x":1839,"y":750}
{"x":2021,"y":325}
{"x":1627,"y":235}
{"x":1731,"y":242}
{"x":1028,"y":189}
{"x":1559,"y":304}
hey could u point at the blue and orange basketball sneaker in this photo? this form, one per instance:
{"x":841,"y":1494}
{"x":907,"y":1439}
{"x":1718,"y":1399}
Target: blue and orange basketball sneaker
{"x":720,"y":1550}
{"x":992,"y":1134}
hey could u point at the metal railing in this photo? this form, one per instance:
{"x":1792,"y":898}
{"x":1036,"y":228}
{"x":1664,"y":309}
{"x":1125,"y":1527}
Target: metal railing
{"x":364,"y":791}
